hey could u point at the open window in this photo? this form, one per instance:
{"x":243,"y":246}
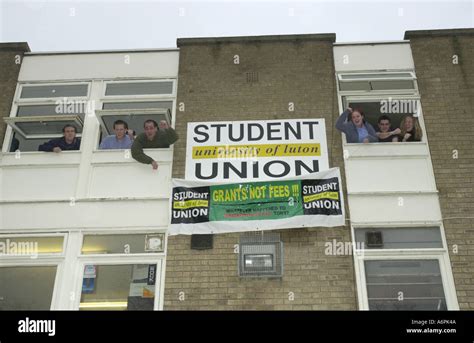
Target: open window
{"x":383,"y":81}
{"x":135,"y":102}
{"x":391,"y":96}
{"x":43,"y":110}
{"x":35,"y":124}
{"x":135,"y":118}
{"x":44,"y":127}
{"x":395,"y":108}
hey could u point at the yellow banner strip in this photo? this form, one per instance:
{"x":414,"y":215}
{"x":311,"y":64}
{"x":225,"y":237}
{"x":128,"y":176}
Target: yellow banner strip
{"x":256,"y":150}
{"x":190,"y":203}
{"x":325,"y":195}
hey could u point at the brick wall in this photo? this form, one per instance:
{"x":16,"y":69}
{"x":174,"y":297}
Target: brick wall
{"x":447,"y":96}
{"x":296,"y":69}
{"x":9,"y":69}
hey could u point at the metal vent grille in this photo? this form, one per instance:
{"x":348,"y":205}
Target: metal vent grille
{"x":252,"y":76}
{"x":260,"y":254}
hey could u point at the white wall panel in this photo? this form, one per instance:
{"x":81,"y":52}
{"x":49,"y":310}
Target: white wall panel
{"x":25,"y":182}
{"x":373,"y":57}
{"x":130,"y":180}
{"x":162,"y":64}
{"x":84,"y":214}
{"x":394,"y":208}
{"x":389,"y":174}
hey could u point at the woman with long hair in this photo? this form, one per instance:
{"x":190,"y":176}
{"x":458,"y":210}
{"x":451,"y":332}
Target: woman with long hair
{"x":357,"y":130}
{"x":410,"y":129}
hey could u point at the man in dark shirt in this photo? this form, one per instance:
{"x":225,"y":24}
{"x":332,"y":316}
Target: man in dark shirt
{"x":153,"y":138}
{"x":384,"y":133}
{"x":67,"y":142}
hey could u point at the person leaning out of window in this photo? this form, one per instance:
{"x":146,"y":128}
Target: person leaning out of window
{"x":385,"y":133}
{"x":122,"y":139}
{"x":153,"y":138}
{"x":357,"y":130}
{"x":69,"y":141}
{"x":410,"y":129}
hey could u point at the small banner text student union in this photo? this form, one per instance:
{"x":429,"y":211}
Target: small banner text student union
{"x":307,"y":201}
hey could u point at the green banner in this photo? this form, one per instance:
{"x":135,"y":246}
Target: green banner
{"x":311,"y":200}
{"x":256,"y":201}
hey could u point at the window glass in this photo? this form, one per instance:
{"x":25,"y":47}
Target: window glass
{"x":401,"y":238}
{"x":404,"y":285}
{"x":118,"y":287}
{"x":137,"y":105}
{"x":139,"y":88}
{"x":27,"y":245}
{"x":121,"y":244}
{"x":50,"y":110}
{"x":392,"y":84}
{"x":46,"y":127}
{"x":53,"y":91}
{"x":369,"y":76}
{"x":354,"y":86}
{"x":26,"y":288}
{"x":376,"y":82}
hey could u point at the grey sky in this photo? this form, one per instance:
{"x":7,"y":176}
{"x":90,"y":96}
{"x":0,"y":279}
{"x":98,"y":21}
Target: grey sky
{"x":101,"y":25}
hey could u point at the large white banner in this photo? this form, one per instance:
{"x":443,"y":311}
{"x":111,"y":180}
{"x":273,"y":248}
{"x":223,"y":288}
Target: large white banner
{"x":203,"y":207}
{"x":255,"y":150}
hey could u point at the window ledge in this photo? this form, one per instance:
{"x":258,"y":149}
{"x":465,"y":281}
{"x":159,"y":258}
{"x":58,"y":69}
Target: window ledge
{"x":386,"y":150}
{"x":40,"y":158}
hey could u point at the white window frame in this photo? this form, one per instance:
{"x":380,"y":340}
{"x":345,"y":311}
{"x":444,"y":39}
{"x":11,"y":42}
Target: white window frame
{"x":439,"y":254}
{"x":12,"y":121}
{"x":28,"y":101}
{"x":158,"y":258}
{"x":377,"y":77}
{"x":104,"y":97}
{"x":125,"y":232}
{"x":122,"y":259}
{"x":49,"y":259}
{"x":129,"y":101}
{"x":33,"y":235}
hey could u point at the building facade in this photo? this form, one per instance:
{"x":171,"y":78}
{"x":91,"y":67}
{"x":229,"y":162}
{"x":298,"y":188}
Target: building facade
{"x":10,"y":59}
{"x":444,"y":65}
{"x":100,"y":219}
{"x":85,"y":229}
{"x":259,"y":78}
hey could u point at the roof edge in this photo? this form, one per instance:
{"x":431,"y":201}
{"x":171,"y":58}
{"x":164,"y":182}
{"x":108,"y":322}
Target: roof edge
{"x":439,"y":33}
{"x":331,"y":37}
{"x":85,"y":52}
{"x":15,"y":46}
